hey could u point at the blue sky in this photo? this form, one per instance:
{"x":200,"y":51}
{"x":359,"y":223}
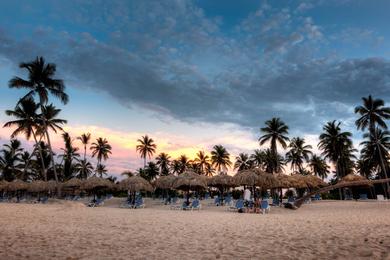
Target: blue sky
{"x":202,"y":71}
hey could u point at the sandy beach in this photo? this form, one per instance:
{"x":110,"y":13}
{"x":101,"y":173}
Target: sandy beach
{"x":69,"y":230}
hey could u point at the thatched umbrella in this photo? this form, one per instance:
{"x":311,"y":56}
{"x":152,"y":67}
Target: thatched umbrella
{"x":354,"y":180}
{"x":37,"y":186}
{"x":284,"y":181}
{"x":190,"y":180}
{"x":353,"y":177}
{"x":221,"y":181}
{"x":255,"y":178}
{"x":165,"y":182}
{"x":313,"y":182}
{"x":94,"y":184}
{"x":17,"y":185}
{"x":73,"y":183}
{"x":3,"y":185}
{"x":134,"y":184}
{"x":51,"y":186}
{"x":298,"y":181}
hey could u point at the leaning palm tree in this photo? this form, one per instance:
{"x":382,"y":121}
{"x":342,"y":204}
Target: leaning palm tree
{"x":319,"y":166}
{"x":275,"y":132}
{"x":85,"y":138}
{"x":41,"y":83}
{"x":334,"y":144}
{"x":220,"y":158}
{"x":376,"y":148}
{"x":26,"y":117}
{"x":372,"y":114}
{"x":298,"y":153}
{"x":146,"y":147}
{"x":243,"y":162}
{"x":49,"y":121}
{"x":163,"y":162}
{"x":101,"y":149}
{"x":202,"y":161}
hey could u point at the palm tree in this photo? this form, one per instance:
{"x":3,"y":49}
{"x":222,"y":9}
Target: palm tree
{"x":243,"y":162}
{"x":101,"y":149}
{"x":146,"y":147}
{"x":258,"y":158}
{"x":83,"y":169}
{"x":175,"y":167}
{"x":184,"y":163}
{"x":202,"y":161}
{"x":376,"y":148}
{"x":273,"y":163}
{"x":335,"y":145}
{"x":10,"y":160}
{"x":85,"y":138}
{"x":70,"y":154}
{"x":163,"y":162}
{"x":298,"y":153}
{"x":41,"y":83}
{"x":150,"y":172}
{"x":275,"y":131}
{"x":101,"y":170}
{"x":365,"y":166}
{"x":220,"y":158}
{"x":372,"y":113}
{"x":319,"y":166}
{"x":26,"y":117}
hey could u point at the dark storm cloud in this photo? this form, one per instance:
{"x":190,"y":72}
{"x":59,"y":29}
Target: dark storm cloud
{"x":179,"y":63}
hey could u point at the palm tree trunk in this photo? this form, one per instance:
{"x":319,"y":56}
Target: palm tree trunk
{"x":85,"y":152}
{"x":338,"y":178}
{"x":43,"y":170}
{"x":384,"y":171}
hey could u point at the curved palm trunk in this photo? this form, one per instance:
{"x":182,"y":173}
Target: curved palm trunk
{"x":301,"y":200}
{"x":43,"y":170}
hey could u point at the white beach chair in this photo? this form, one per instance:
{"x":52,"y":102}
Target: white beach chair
{"x":380,"y":197}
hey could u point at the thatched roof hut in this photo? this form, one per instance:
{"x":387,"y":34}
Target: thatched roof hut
{"x":189,"y":180}
{"x":221,"y":180}
{"x":314,"y":182}
{"x":73,"y":183}
{"x":165,"y":182}
{"x":37,"y":186}
{"x":354,"y":178}
{"x":17,"y":185}
{"x":255,"y":177}
{"x":95,"y":183}
{"x":135,"y":183}
{"x":298,"y":181}
{"x":3,"y":185}
{"x":284,"y":181}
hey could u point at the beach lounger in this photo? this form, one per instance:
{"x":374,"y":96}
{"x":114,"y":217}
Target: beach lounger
{"x":195,"y":205}
{"x":96,"y":203}
{"x":265,"y":208}
{"x":44,"y":200}
{"x":176,"y":205}
{"x":76,"y":198}
{"x":291,"y":200}
{"x":348,"y":197}
{"x":275,"y":202}
{"x":139,"y":203}
{"x":363,"y":197}
{"x":217,"y":201}
{"x":228,"y":200}
{"x":380,"y":197}
{"x":239,"y":206}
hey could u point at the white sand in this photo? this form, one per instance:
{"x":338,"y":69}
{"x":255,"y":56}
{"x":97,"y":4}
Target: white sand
{"x":69,"y":230}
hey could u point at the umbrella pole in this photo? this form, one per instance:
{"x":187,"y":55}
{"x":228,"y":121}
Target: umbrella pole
{"x":188,"y":197}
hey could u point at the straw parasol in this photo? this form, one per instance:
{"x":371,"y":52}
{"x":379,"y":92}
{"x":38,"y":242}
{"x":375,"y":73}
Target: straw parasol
{"x":298,"y":181}
{"x":17,"y":185}
{"x":73,"y":183}
{"x":37,"y":186}
{"x":255,"y":177}
{"x":135,"y":183}
{"x":94,"y":182}
{"x":52,"y":185}
{"x":190,"y":180}
{"x":314,"y":182}
{"x":354,"y":178}
{"x":165,"y":182}
{"x":221,"y":180}
{"x":3,"y":185}
{"x":284,"y":181}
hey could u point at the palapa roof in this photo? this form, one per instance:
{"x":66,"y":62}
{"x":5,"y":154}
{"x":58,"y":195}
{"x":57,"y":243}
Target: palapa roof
{"x":52,"y":185}
{"x":354,"y":178}
{"x":3,"y":185}
{"x":95,"y":183}
{"x":17,"y":185}
{"x":190,"y":180}
{"x":284,"y":181}
{"x":165,"y":182}
{"x":298,"y":181}
{"x":255,"y":177}
{"x":135,"y":183}
{"x":314,"y":181}
{"x":74,"y":182}
{"x":37,"y":186}
{"x":221,"y":180}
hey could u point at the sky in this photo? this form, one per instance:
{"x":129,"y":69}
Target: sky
{"x":193,"y":74}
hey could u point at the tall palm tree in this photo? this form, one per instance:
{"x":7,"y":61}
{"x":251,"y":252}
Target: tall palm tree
{"x":83,"y":169}
{"x":335,"y":144}
{"x":243,"y":162}
{"x":26,"y":117}
{"x":298,"y":153}
{"x":49,"y":121}
{"x":372,"y":113}
{"x":163,"y":162}
{"x":273,"y":163}
{"x":202,"y":160}
{"x":184,"y":163}
{"x":175,"y":166}
{"x":101,"y":149}
{"x":41,"y":83}
{"x":220,"y":158}
{"x":275,"y":132}
{"x":319,"y":166}
{"x":365,"y":166}
{"x":85,"y":138}
{"x":150,"y":172}
{"x":146,"y":147}
{"x":69,"y":155}
{"x":376,"y":148}
{"x":258,"y":158}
